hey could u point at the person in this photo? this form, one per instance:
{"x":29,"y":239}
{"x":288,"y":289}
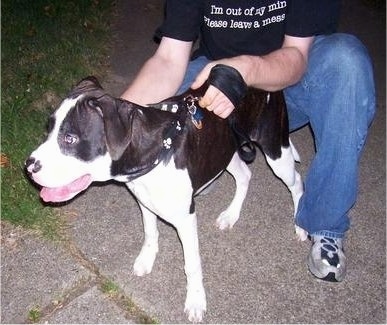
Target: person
{"x":289,"y":45}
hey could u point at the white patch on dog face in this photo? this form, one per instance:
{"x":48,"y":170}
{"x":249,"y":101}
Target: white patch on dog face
{"x":64,"y":175}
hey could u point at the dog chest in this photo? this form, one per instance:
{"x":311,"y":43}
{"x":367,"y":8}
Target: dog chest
{"x":165,"y":190}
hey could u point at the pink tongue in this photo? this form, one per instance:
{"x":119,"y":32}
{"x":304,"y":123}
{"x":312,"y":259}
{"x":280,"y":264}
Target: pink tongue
{"x":64,"y":193}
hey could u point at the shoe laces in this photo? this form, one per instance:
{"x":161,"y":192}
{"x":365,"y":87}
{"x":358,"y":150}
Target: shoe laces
{"x":330,"y":248}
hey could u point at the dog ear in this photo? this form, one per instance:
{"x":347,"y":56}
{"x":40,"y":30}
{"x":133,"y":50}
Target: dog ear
{"x":86,"y":85}
{"x":118,"y":117}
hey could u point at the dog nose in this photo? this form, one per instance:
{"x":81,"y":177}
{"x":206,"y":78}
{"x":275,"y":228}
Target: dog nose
{"x":33,"y":165}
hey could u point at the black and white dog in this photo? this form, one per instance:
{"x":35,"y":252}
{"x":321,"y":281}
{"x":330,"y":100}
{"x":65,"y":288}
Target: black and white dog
{"x":165,"y":156}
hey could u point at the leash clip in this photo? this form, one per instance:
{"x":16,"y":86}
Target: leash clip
{"x":196,"y":113}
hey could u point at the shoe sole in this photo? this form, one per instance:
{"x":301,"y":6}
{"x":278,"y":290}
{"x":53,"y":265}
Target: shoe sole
{"x":331,"y":276}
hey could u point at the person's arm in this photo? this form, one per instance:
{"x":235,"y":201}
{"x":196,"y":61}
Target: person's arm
{"x":162,"y":74}
{"x":271,"y":72}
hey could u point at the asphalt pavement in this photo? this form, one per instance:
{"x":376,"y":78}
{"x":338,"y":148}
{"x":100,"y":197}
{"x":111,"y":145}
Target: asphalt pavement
{"x":254,"y":273}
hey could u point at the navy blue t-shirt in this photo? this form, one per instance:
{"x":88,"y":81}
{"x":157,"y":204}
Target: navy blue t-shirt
{"x":254,"y":27}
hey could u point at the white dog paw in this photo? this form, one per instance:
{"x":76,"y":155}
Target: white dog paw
{"x":301,"y":234}
{"x":195,"y":314}
{"x":195,"y":304}
{"x":226,"y":220}
{"x":195,"y":311}
{"x":144,"y":262}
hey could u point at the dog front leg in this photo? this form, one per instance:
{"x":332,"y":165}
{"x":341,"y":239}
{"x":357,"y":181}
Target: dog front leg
{"x":144,"y":261}
{"x":195,"y":303}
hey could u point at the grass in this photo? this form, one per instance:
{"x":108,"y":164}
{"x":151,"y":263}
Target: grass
{"x":34,"y":314}
{"x":46,"y":47}
{"x":109,"y":288}
{"x":113,"y":291}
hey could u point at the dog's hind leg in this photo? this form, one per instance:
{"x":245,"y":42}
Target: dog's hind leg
{"x":284,"y":168}
{"x":195,"y":303}
{"x":144,"y":261}
{"x":242,"y":174}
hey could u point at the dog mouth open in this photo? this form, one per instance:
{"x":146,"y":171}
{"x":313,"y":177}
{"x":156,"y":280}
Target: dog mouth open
{"x":66,"y":192}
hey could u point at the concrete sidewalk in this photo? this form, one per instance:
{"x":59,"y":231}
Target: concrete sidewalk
{"x":255,"y":273}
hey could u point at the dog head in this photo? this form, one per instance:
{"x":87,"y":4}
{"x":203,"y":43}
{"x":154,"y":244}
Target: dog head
{"x":88,"y":131}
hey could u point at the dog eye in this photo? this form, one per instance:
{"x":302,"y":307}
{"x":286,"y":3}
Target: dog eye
{"x":70,"y":139}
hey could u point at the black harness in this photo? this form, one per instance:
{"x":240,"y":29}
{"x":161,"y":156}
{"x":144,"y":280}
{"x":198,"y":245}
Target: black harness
{"x":246,"y":147}
{"x":231,"y":83}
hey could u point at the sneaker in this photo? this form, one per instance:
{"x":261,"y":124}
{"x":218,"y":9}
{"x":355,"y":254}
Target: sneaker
{"x":326,"y":259}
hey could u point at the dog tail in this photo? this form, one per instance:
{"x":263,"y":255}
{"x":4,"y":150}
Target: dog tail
{"x":245,"y":146}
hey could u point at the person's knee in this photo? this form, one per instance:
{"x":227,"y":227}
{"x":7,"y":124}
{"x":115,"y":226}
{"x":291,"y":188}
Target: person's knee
{"x":347,"y":65}
{"x":345,"y":55}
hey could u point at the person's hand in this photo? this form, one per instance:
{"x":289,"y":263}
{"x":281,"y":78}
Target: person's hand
{"x":214,"y":99}
{"x":217,"y":102}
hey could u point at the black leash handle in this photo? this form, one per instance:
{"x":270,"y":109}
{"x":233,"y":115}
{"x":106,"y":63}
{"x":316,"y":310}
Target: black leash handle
{"x":245,"y":146}
{"x":230,"y":82}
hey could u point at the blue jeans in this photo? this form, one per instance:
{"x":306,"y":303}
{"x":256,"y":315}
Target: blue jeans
{"x":336,"y":97}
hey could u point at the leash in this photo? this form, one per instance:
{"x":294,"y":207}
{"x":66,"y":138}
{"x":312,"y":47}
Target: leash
{"x":246,"y":147}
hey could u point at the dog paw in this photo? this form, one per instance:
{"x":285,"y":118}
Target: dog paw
{"x":301,"y":234}
{"x":226,"y":220}
{"x":195,"y":306}
{"x":195,"y":314}
{"x":144,"y":262}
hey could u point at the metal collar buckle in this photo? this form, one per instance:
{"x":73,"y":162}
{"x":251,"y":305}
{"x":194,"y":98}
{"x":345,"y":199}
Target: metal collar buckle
{"x":194,"y":110}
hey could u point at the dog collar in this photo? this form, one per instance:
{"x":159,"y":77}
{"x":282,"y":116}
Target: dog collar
{"x":190,"y":102}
